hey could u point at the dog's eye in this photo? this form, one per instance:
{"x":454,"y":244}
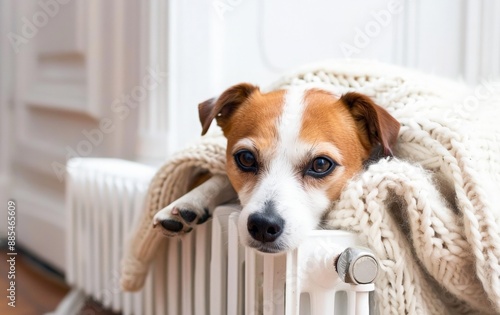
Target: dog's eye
{"x":320,"y":167}
{"x":246,"y":161}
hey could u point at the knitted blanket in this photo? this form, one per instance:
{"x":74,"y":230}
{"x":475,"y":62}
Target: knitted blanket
{"x":431,"y":215}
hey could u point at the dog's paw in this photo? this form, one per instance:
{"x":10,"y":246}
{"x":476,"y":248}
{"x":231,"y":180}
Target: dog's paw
{"x":178,"y":219}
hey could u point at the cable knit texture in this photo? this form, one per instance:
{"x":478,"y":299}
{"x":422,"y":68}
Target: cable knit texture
{"x":431,"y":215}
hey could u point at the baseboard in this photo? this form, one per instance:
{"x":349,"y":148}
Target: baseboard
{"x":72,"y":304}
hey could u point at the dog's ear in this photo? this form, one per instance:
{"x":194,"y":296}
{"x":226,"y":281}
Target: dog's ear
{"x":378,"y":125}
{"x":222,"y":107}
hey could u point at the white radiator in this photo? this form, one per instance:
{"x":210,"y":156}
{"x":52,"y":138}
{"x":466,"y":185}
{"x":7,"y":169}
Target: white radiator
{"x":205,"y":272}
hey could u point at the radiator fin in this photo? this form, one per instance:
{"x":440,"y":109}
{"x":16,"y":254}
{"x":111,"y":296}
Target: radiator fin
{"x":206,"y":272}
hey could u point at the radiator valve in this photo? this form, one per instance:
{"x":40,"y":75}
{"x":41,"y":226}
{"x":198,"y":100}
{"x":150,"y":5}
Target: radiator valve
{"x":357,"y":265}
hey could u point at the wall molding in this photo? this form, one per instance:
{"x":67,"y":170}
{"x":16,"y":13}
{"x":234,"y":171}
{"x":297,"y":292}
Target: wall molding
{"x":155,"y":53}
{"x":481,"y":41}
{"x":472,"y":41}
{"x":59,"y":96}
{"x":490,"y":40}
{"x":94,"y":54}
{"x":36,"y":214}
{"x":46,"y":153}
{"x":93,"y":61}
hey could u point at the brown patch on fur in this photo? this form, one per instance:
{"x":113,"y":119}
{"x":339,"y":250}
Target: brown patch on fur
{"x":199,"y":179}
{"x":326,"y":119}
{"x":223,"y":107}
{"x":255,"y":118}
{"x":374,"y":122}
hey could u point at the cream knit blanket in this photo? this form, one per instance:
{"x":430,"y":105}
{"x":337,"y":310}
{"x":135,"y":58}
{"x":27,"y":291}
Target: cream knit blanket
{"x":431,"y":215}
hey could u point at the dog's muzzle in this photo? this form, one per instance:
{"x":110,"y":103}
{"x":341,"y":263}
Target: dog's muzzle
{"x":265,"y":227}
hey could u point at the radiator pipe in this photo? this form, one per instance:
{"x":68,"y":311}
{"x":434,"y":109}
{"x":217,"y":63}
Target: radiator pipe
{"x":357,"y":265}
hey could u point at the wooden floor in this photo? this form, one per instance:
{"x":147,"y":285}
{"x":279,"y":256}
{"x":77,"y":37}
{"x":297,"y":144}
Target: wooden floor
{"x":37,"y":291}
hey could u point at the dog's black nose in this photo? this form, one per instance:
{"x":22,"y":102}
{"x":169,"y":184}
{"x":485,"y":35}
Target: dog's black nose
{"x":265,"y":227}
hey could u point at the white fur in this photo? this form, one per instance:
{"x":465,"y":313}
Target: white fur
{"x":300,"y":206}
{"x":244,"y":143}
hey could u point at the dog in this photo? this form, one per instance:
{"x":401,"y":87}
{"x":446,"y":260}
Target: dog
{"x":289,"y":154}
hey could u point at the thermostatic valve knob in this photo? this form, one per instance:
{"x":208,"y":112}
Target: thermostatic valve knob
{"x":357,"y":265}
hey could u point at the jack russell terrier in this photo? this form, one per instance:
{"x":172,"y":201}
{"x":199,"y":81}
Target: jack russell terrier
{"x":289,"y":154}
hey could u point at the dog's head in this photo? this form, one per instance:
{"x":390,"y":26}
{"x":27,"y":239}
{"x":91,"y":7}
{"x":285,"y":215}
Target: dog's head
{"x":290,"y":152}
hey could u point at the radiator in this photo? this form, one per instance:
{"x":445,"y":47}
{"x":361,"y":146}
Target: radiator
{"x":205,"y":272}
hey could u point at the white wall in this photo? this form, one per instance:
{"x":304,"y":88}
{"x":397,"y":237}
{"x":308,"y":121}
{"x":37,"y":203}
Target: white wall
{"x":256,"y":41}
